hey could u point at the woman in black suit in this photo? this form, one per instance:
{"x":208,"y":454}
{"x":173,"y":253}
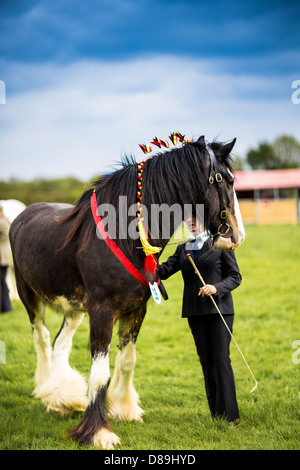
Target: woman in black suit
{"x":221,"y":273}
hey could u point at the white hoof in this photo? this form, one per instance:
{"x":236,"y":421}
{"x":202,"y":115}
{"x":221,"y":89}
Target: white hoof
{"x":123,"y":412}
{"x":106,"y":439}
{"x":124,"y":406}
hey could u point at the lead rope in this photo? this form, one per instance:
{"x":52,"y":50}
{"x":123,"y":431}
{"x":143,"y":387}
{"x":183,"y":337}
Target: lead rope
{"x":213,"y":300}
{"x":178,"y":241}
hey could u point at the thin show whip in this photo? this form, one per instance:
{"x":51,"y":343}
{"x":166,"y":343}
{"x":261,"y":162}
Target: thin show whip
{"x":213,"y":301}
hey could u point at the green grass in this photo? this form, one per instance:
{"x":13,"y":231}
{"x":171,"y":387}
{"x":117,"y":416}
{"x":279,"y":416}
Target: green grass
{"x":168,"y":375}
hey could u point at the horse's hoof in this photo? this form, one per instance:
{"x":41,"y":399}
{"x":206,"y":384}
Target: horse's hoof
{"x":105,"y":439}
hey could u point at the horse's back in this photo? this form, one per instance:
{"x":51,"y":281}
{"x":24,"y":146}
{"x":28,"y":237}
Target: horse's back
{"x":41,"y":207}
{"x":36,"y":237}
{"x":40,"y":213}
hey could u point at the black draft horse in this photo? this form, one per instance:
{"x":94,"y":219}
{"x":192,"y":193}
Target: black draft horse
{"x":60,"y":260}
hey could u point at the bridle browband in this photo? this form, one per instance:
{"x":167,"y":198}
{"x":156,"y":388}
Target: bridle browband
{"x":215,"y":176}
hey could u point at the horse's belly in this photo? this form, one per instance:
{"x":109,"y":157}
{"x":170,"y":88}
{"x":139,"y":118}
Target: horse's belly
{"x":69,"y":305}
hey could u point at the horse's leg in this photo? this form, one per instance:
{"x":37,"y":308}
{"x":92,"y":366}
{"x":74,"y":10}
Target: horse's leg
{"x":94,"y":427}
{"x":122,"y":394}
{"x":65,"y":389}
{"x":36,"y":310}
{"x":41,"y":338}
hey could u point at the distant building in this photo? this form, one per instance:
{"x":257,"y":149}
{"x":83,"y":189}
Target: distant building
{"x":269,"y":196}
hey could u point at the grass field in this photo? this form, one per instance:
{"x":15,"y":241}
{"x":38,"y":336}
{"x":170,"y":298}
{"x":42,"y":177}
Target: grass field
{"x":168,"y":375}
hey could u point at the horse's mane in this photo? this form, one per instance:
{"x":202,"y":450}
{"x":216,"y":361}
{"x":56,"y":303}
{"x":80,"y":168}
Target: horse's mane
{"x":176,"y":175}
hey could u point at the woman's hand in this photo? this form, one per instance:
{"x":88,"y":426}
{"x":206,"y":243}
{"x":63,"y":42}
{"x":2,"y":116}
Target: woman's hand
{"x":208,"y":289}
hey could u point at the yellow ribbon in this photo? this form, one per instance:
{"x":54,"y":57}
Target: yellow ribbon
{"x":147,"y":248}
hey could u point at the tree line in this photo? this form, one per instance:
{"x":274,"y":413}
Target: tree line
{"x":282,"y":153}
{"x":66,"y":190}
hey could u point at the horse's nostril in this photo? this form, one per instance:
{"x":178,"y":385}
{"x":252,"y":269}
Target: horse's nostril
{"x":229,"y":233}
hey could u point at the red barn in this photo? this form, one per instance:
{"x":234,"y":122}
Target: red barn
{"x":269,"y":196}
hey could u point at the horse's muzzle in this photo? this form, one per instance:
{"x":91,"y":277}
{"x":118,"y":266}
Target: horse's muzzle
{"x":224,"y":230}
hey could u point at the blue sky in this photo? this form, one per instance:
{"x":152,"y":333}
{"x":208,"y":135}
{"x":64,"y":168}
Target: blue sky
{"x":87,"y":81}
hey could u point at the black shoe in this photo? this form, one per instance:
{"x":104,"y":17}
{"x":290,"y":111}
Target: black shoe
{"x":233,"y":423}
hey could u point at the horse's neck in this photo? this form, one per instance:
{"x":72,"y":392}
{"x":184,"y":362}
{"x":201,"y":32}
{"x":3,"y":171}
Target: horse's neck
{"x":162,"y":218}
{"x":162,"y":222}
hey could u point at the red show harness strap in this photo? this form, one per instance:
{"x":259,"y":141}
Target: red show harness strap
{"x":112,"y":245}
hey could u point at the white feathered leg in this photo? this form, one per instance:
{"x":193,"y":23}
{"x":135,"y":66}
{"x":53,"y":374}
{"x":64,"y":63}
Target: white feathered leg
{"x":65,"y":389}
{"x":41,"y":338}
{"x":122,"y":394}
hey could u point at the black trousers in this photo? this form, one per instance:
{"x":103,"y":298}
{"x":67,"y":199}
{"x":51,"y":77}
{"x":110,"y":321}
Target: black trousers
{"x":5,"y":305}
{"x":212,"y":341}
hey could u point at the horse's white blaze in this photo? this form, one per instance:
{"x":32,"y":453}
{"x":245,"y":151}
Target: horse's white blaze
{"x":230,"y":172}
{"x":99,"y":375}
{"x":122,"y":394}
{"x":226,"y":243}
{"x":238,"y":215}
{"x":64,"y":388}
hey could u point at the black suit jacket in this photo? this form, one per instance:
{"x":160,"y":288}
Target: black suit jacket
{"x":217,"y":267}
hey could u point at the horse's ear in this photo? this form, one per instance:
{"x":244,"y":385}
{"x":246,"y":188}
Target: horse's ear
{"x":201,"y":140}
{"x":226,"y":149}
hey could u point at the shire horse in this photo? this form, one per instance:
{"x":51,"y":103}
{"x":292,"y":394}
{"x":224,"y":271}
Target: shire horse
{"x":60,"y":260}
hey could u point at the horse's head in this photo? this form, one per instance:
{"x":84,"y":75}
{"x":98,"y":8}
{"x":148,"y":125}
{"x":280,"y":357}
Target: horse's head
{"x":222,"y":205}
{"x":227,"y":243}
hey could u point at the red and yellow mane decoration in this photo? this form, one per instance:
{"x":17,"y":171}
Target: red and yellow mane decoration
{"x":150,"y":260}
{"x":150,"y":251}
{"x":174,"y":137}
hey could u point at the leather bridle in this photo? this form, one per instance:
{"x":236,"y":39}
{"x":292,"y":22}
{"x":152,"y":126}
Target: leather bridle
{"x":215,"y":176}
